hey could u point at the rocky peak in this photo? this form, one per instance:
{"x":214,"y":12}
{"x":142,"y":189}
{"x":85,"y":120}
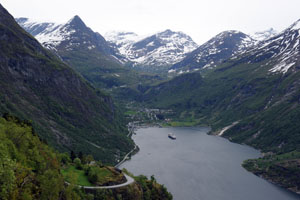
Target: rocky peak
{"x":76,"y":22}
{"x":158,"y":50}
{"x":166,"y":32}
{"x":219,"y":48}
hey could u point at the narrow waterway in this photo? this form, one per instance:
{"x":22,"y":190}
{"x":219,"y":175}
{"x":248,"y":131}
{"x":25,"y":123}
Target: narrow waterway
{"x":197,"y":166}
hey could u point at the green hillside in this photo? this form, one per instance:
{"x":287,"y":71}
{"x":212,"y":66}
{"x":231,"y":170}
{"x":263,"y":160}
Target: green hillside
{"x":30,"y":169}
{"x":66,"y":110}
{"x":261,"y":104}
{"x":264,"y":104}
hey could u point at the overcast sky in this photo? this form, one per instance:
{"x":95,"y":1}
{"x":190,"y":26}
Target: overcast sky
{"x":199,"y":19}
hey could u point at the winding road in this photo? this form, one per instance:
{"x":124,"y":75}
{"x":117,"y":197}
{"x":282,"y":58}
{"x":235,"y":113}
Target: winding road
{"x":129,"y":180}
{"x":125,"y":157}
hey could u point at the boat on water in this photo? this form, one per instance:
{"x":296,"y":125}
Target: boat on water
{"x":172,"y":136}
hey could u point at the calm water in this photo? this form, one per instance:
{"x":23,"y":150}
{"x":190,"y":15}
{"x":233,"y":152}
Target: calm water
{"x":199,"y":166}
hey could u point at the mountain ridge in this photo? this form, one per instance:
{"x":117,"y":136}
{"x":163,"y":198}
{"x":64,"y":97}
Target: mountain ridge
{"x":257,"y":88}
{"x":67,"y":111}
{"x":85,"y":51}
{"x":161,"y":49}
{"x":212,"y":53}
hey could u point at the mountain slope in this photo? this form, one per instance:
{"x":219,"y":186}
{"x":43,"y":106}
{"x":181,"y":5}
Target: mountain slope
{"x":257,"y":89}
{"x":30,"y":169}
{"x":66,"y":36}
{"x":215,"y":51}
{"x":281,"y":51}
{"x":122,"y":39}
{"x":64,"y":108}
{"x":252,"y":98}
{"x":84,"y":50}
{"x":159,"y":50}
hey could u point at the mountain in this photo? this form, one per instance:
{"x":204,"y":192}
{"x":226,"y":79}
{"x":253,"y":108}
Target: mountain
{"x":159,"y":50}
{"x":281,"y":52}
{"x":67,"y":36}
{"x":122,"y":39}
{"x":30,"y":169}
{"x":264,"y":35}
{"x":256,"y":90}
{"x":251,"y":98}
{"x":214,"y":52}
{"x":65,"y":109}
{"x":83,"y":49}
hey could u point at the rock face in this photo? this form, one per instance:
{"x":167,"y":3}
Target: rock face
{"x":281,"y":52}
{"x":215,"y":51}
{"x":65,"y":109}
{"x":68,"y":36}
{"x":159,"y":50}
{"x":84,"y":50}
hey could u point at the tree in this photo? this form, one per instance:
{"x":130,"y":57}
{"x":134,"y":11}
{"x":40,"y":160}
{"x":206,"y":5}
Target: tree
{"x":80,"y":155}
{"x":7,"y":175}
{"x":73,"y":155}
{"x":77,"y":162}
{"x":51,"y":183}
{"x":87,"y":159}
{"x":65,"y":158}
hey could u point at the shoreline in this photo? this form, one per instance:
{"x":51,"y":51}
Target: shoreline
{"x":127,"y":156}
{"x":217,"y":133}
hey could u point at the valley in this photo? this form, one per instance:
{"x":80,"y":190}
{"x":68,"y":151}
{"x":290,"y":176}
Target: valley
{"x":87,"y":93}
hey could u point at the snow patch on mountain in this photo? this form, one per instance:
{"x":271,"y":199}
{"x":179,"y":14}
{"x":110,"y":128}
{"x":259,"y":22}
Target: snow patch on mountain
{"x":161,"y":49}
{"x":47,"y":33}
{"x":279,"y":52}
{"x":121,"y":38}
{"x":55,"y":37}
{"x":282,"y":67}
{"x":73,"y":35}
{"x":264,"y":35}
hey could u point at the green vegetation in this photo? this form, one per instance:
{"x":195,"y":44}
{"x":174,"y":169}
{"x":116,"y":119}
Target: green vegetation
{"x":80,"y":178}
{"x":131,"y":112}
{"x":104,"y":175}
{"x":181,"y":123}
{"x":92,"y":175}
{"x":66,"y":110}
{"x":282,"y":169}
{"x":151,"y":189}
{"x":266,"y":106}
{"x":29,"y":169}
{"x":54,"y":105}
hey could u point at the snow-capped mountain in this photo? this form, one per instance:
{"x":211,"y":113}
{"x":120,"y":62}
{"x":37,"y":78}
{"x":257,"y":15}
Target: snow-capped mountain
{"x":280,"y":53}
{"x":83,"y":49}
{"x":69,"y":36}
{"x":161,"y":49}
{"x":264,"y":35}
{"x":36,"y":28}
{"x":122,"y":38}
{"x":210,"y":54}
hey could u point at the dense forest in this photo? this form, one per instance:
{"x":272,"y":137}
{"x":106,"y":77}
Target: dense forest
{"x":30,"y":169}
